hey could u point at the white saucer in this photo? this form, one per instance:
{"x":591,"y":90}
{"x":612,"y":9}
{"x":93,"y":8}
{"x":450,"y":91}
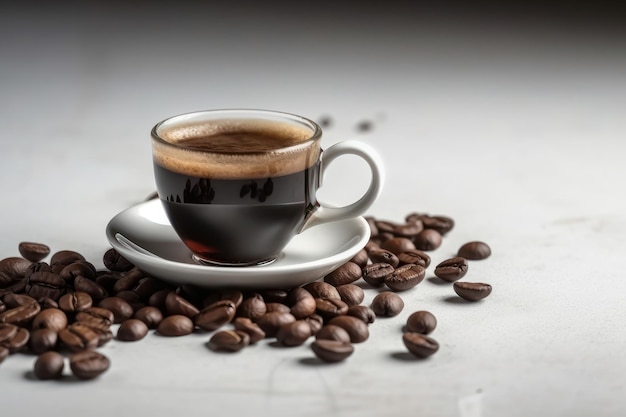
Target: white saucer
{"x":144,"y":236}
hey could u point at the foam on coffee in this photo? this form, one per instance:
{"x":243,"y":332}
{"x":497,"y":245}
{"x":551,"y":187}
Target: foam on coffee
{"x":235,"y":148}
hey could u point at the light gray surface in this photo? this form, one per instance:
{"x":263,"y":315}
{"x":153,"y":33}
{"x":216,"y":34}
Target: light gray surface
{"x":515,"y":132}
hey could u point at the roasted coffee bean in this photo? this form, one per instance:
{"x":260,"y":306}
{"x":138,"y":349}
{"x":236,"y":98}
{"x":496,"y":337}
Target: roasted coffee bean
{"x":325,"y":121}
{"x":387,"y":304}
{"x":7,"y":332}
{"x":252,"y":307}
{"x":442,"y":224}
{"x":384,"y":226}
{"x":45,"y":284}
{"x":132,"y":330}
{"x":42,"y":340}
{"x":49,"y":365}
{"x":363,"y":313}
{"x":315,"y":323}
{"x":89,"y":364}
{"x":376,"y":273}
{"x":427,"y":240}
{"x":274,"y":296}
{"x":104,"y":335}
{"x":416,"y":257}
{"x":405,"y":277}
{"x":5,"y":280}
{"x":33,"y":251}
{"x":356,"y":328}
{"x":20,"y":315}
{"x":371,"y":245}
{"x":333,"y":332}
{"x":229,"y":341}
{"x":48,"y":303}
{"x":4,"y":353}
{"x":151,"y":316}
{"x":74,"y":302}
{"x":398,"y":245}
{"x":253,"y":330}
{"x":452,"y":269}
{"x":420,"y":345}
{"x":294,"y":333}
{"x":271,"y":322}
{"x":14,"y":266}
{"x":236,"y":296}
{"x":78,"y":269}
{"x":193,"y":294}
{"x":175,"y":304}
{"x":282,"y":308}
{"x":345,"y":274}
{"x":37,"y":267}
{"x":96,"y":317}
{"x":18,"y":286}
{"x":351,"y":294}
{"x":173,"y":326}
{"x":96,"y":291}
{"x":19,"y":341}
{"x":361,"y":258}
{"x":14,"y":300}
{"x":57,"y":267}
{"x":474,"y":251}
{"x":50,"y":318}
{"x":384,"y":256}
{"x":371,"y":221}
{"x":116,"y":262}
{"x":215,"y":315}
{"x":331,"y":350}
{"x":301,"y":302}
{"x":66,"y":257}
{"x":147,"y":286}
{"x":120,"y":308}
{"x":158,"y":299}
{"x":472,"y":291}
{"x":423,"y":322}
{"x":128,"y":280}
{"x":78,"y":336}
{"x":108,"y":280}
{"x":3,"y":307}
{"x":320,"y":289}
{"x":330,"y":307}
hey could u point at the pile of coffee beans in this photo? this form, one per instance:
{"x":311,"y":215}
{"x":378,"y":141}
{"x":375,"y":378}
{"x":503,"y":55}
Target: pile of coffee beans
{"x":67,"y":308}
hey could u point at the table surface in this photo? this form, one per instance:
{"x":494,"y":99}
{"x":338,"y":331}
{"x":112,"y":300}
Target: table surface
{"x":513,"y":128}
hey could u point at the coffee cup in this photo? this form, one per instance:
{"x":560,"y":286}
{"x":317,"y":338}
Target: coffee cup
{"x":237,"y":185}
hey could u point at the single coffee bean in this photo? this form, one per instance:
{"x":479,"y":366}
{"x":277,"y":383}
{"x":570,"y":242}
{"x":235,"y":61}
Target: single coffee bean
{"x":420,"y":345}
{"x":42,"y":340}
{"x":193,"y":294}
{"x":384,"y":256}
{"x":472,"y":291}
{"x":20,"y":315}
{"x":147,"y":286}
{"x":14,"y":300}
{"x":132,"y":330}
{"x":104,"y":336}
{"x":96,"y":317}
{"x":5,"y":280}
{"x":452,"y":269}
{"x":281,"y":308}
{"x":4,"y":353}
{"x":33,"y":251}
{"x":253,"y":330}
{"x":345,"y":274}
{"x":330,"y":307}
{"x":96,"y":291}
{"x":301,"y":302}
{"x":175,"y":304}
{"x":371,"y":221}
{"x":18,"y":341}
{"x":387,"y":304}
{"x":78,"y":269}
{"x":49,"y":365}
{"x":363,"y":313}
{"x":252,"y":307}
{"x":116,"y":262}
{"x":427,"y":240}
{"x":294,"y":333}
{"x":46,"y":303}
{"x":376,"y":273}
{"x":45,"y":284}
{"x":128,"y":280}
{"x":89,"y":364}
{"x":66,"y":257}
{"x":7,"y":332}
{"x":274,"y":296}
{"x":158,"y":299}
{"x":423,"y":322}
{"x":215,"y":315}
{"x":385,"y":227}
{"x":442,"y":224}
{"x":333,"y":332}
{"x":74,"y":302}
{"x":78,"y":336}
{"x":120,"y":308}
{"x":315,"y":323}
{"x":351,"y":294}
{"x":14,"y":266}
{"x":320,"y":289}
{"x":371,"y":245}
{"x":234,"y":295}
{"x":50,"y":318}
{"x":361,"y":258}
{"x":229,"y":341}
{"x":37,"y":267}
{"x":398,"y":245}
{"x":405,"y":277}
{"x":173,"y":326}
{"x":331,"y":350}
{"x":416,"y":257}
{"x":356,"y":328}
{"x":271,"y":322}
{"x":409,"y":229}
{"x":474,"y":251}
{"x":18,"y":286}
{"x":151,"y":316}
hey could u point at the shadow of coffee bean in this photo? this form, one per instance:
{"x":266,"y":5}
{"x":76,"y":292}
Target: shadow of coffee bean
{"x":314,"y":361}
{"x":438,"y":281}
{"x":453,"y":299}
{"x":405,"y":357}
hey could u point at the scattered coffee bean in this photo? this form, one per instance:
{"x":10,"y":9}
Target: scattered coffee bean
{"x":78,"y":269}
{"x":294,"y":333}
{"x":4,"y":353}
{"x":74,"y":302}
{"x":362,"y":312}
{"x":376,"y":273}
{"x":13,"y":300}
{"x":158,"y":299}
{"x":356,"y":328}
{"x":333,"y":332}
{"x":128,"y":280}
{"x":398,"y":245}
{"x":361,"y":258}
{"x":88,"y":364}
{"x":474,"y":251}
{"x":472,"y":291}
{"x":315,"y":323}
{"x":419,"y":345}
{"x":409,"y":229}
{"x":274,"y":296}
{"x":428,"y":240}
{"x":452,"y":269}
{"x":20,"y":315}
{"x":325,"y":121}
{"x":416,"y":257}
{"x":423,"y":322}
{"x":151,"y":316}
{"x":120,"y":308}
{"x":384,"y":256}
{"x":42,"y":340}
{"x":96,"y":317}
{"x":66,"y":257}
{"x":96,"y":291}
{"x":253,"y":330}
{"x":33,"y":251}
{"x":331,"y":350}
{"x":215,"y":315}
{"x":236,"y":296}
{"x":351,"y":294}
{"x":387,"y":304}
{"x":229,"y":341}
{"x":330,"y":307}
{"x":45,"y":284}
{"x":271,"y":322}
{"x":320,"y":289}
{"x":175,"y":304}
{"x":14,"y":266}
{"x":49,"y":365}
{"x":345,"y":274}
{"x":116,"y":262}
{"x":77,"y":337}
{"x":46,"y":303}
{"x":132,"y":330}
{"x":281,"y":308}
{"x":302,"y":303}
{"x":365,"y":126}
{"x":50,"y":318}
{"x":174,"y":326}
{"x":405,"y":277}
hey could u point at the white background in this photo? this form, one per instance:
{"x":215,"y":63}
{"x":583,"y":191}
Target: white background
{"x":512,"y":126}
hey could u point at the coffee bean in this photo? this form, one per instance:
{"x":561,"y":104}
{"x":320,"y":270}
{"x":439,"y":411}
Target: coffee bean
{"x":45,"y":284}
{"x":175,"y":304}
{"x":132,"y":330}
{"x":37,"y":267}
{"x":96,"y":291}
{"x":104,"y":335}
{"x":50,"y":318}
{"x":427,"y":240}
{"x":46,"y":303}
{"x":384,"y":256}
{"x":120,"y":308}
{"x":405,"y":277}
{"x":14,"y":300}
{"x":116,"y":262}
{"x":234,"y":295}
{"x":253,"y":330}
{"x":423,"y":322}
{"x":330,"y":307}
{"x":333,"y":332}
{"x":4,"y":353}
{"x":363,"y":313}
{"x":387,"y":304}
{"x":315,"y":323}
{"x":351,"y":294}
{"x":331,"y":350}
{"x":74,"y":302}
{"x":42,"y":340}
{"x":151,"y":316}
{"x":361,"y":258}
{"x":384,"y":226}
{"x":365,"y":126}
{"x":416,"y":257}
{"x":147,"y":286}
{"x":398,"y":245}
{"x":33,"y":251}
{"x":14,"y":266}
{"x":18,"y":341}
{"x":302,"y":303}
{"x":66,"y":257}
{"x":294,"y":333}
{"x":158,"y":299}
{"x":356,"y":328}
{"x":252,"y":307}
{"x":96,"y":317}
{"x":281,"y":308}
{"x":376,"y":273}
{"x":215,"y":315}
{"x":78,"y":336}
{"x":89,"y":364}
{"x":345,"y":274}
{"x":20,"y":315}
{"x":452,"y":269}
{"x":7,"y":332}
{"x":325,"y":121}
{"x":128,"y":280}
{"x":474,"y":251}
{"x":49,"y":365}
{"x":229,"y":341}
{"x":472,"y":291}
{"x":173,"y":326}
{"x":442,"y":224}
{"x":274,"y":296}
{"x":78,"y":269}
{"x":271,"y":322}
{"x":419,"y":345}
{"x":5,"y":280}
{"x":372,"y":224}
{"x":320,"y":289}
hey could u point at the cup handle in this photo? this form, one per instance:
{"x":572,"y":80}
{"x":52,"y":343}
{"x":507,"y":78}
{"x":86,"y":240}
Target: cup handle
{"x":324,"y":213}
